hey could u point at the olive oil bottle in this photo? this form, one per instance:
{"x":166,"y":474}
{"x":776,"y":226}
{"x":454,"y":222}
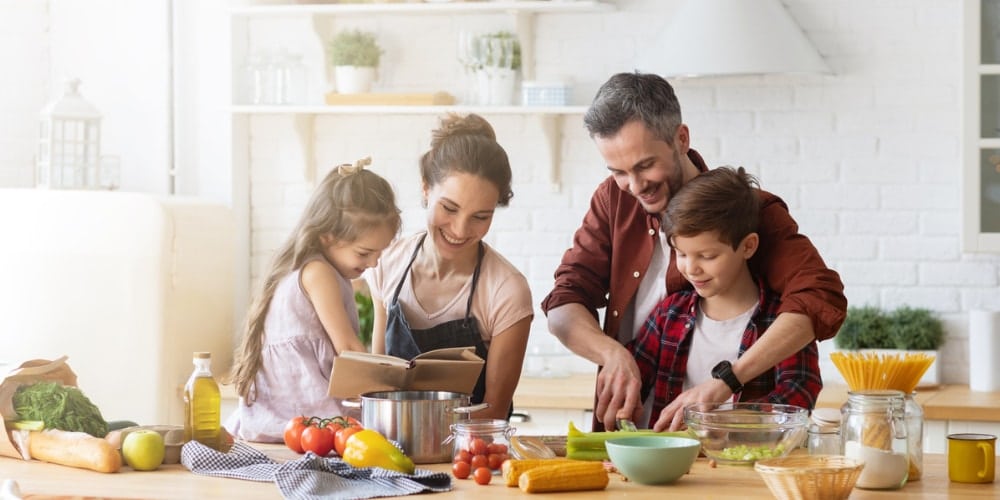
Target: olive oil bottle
{"x":202,"y":404}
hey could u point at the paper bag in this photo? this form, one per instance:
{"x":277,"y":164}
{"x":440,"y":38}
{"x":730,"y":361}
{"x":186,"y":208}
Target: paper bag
{"x":453,"y":369}
{"x":29,"y":372}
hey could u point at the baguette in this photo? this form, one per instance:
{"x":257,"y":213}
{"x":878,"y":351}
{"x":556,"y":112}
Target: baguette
{"x":75,"y":449}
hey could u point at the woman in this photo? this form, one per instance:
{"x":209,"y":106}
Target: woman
{"x":444,"y":287}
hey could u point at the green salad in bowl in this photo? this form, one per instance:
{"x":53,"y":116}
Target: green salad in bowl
{"x":742,"y":433}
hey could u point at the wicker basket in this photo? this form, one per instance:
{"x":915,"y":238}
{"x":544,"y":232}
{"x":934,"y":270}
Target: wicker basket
{"x":810,"y":477}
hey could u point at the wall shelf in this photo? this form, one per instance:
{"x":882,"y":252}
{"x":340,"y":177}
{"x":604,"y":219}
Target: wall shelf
{"x":421,"y":8}
{"x":408,"y":110}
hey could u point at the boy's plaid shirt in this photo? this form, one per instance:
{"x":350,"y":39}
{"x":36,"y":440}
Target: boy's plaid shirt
{"x":662,"y":346}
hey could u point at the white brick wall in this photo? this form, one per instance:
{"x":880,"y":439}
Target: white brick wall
{"x":867,"y":159}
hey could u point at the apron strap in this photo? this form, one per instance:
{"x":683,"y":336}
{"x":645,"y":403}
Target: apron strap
{"x":475,"y":281}
{"x":406,"y":272}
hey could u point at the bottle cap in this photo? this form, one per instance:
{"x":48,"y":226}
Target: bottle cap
{"x":203,"y":355}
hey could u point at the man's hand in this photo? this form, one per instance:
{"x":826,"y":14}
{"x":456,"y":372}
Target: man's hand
{"x":618,"y":387}
{"x":710,"y":391}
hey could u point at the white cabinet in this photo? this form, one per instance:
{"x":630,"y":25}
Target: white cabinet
{"x":981,"y":127}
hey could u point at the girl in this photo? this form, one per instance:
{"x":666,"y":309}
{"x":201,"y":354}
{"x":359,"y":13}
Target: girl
{"x":444,"y":287}
{"x":305,"y":312}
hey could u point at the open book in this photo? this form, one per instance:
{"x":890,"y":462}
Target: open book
{"x":453,"y":369}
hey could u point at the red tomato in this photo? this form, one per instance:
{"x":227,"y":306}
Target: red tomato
{"x":293,"y":433}
{"x":340,"y":438}
{"x":461,"y":469}
{"x":498,"y":448}
{"x":479,"y":461}
{"x":494,"y":460}
{"x":463,"y":456}
{"x":477,"y":446}
{"x":317,"y":439}
{"x":482,"y":475}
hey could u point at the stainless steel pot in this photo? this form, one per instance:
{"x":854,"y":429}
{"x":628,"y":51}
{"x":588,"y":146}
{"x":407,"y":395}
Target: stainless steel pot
{"x":419,"y":421}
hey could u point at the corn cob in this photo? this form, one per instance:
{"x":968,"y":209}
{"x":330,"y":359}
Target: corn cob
{"x":576,"y":476}
{"x":512,"y":468}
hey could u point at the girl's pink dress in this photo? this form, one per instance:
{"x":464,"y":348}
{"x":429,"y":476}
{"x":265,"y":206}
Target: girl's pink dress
{"x":297,"y":359}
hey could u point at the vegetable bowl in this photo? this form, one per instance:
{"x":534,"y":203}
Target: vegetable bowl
{"x":742,"y":433}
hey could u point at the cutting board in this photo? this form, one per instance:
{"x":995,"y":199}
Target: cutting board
{"x":390,"y":99}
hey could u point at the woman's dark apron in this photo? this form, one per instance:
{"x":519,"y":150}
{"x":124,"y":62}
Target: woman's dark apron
{"x":405,"y":342}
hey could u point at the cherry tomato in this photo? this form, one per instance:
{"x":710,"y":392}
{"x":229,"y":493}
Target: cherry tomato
{"x":498,"y":448}
{"x":340,"y":438}
{"x":482,"y":475}
{"x":494,"y":460}
{"x":317,"y":439}
{"x":293,"y":433}
{"x":479,"y":461}
{"x":463,"y":456}
{"x":461,"y":469}
{"x":477,"y":446}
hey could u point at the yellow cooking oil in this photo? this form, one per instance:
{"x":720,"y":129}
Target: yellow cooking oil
{"x":202,"y":404}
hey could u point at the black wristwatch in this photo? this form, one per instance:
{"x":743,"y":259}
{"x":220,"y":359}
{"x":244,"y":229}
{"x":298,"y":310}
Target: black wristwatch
{"x":724,"y":372}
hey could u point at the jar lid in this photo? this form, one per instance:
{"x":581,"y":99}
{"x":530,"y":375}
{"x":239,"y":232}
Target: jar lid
{"x":826,"y":416}
{"x":481,"y":425}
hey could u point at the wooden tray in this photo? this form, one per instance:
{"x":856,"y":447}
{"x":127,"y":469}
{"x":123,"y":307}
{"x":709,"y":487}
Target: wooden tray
{"x":390,"y":99}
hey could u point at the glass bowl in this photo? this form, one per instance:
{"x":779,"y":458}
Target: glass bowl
{"x":742,"y":433}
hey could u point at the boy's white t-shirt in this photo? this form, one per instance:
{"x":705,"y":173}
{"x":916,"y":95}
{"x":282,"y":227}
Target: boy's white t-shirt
{"x":711,"y":342}
{"x":502,"y":296}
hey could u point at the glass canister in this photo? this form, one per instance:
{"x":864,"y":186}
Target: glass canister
{"x":915,"y":436}
{"x":824,"y":432}
{"x":873,"y":429}
{"x":482,"y":442}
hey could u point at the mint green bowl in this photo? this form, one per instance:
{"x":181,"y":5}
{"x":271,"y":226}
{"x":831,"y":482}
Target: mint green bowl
{"x":652,"y":459}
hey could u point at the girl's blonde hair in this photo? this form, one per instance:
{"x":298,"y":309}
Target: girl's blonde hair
{"x":348,"y":202}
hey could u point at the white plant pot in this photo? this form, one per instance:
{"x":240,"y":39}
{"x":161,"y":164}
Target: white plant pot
{"x":496,"y":86}
{"x":354,"y":79}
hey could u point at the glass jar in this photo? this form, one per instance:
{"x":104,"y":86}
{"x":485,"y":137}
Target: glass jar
{"x":824,"y":432}
{"x":873,"y":429}
{"x":915,"y":436}
{"x":482,"y":442}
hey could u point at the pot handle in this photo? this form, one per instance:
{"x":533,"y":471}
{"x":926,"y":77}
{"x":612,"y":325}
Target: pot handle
{"x":351,"y":402}
{"x":470,"y":409}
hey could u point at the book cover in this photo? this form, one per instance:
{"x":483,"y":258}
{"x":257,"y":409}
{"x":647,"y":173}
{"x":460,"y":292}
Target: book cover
{"x":454,"y":369}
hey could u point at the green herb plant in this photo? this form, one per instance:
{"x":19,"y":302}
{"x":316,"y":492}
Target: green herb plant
{"x":916,"y":329}
{"x":366,"y":317}
{"x":355,"y":48}
{"x":59,"y":407}
{"x":905,"y":328}
{"x":864,"y":328}
{"x":490,"y":57}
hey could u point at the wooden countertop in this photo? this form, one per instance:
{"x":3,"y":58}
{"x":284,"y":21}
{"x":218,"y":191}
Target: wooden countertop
{"x":946,"y":402}
{"x":40,"y":480}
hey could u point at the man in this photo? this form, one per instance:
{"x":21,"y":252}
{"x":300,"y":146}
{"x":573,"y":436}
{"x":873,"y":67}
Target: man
{"x":620,"y":259}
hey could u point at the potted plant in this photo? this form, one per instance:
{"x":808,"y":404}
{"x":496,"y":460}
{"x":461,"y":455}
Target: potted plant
{"x":905,"y":329}
{"x":497,"y":59}
{"x":354,"y":55}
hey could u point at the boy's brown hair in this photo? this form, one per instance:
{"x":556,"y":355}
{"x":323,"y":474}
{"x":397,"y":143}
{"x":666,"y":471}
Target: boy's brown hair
{"x":723,"y":199}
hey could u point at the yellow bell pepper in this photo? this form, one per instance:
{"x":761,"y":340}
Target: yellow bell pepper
{"x":368,"y":448}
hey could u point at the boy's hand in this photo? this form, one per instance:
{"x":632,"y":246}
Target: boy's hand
{"x":710,"y":391}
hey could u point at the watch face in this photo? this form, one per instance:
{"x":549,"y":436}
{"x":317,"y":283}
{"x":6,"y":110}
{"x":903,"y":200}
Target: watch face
{"x":720,"y":369}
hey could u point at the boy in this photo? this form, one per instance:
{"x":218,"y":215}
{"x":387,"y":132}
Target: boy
{"x":694,"y":336}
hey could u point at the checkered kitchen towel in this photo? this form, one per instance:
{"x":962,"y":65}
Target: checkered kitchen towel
{"x":311,"y":476}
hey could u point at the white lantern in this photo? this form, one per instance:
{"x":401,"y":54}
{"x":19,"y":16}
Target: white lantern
{"x":69,"y":143}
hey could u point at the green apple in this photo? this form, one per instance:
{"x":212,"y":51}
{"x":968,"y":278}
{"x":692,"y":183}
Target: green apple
{"x":143,"y":449}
